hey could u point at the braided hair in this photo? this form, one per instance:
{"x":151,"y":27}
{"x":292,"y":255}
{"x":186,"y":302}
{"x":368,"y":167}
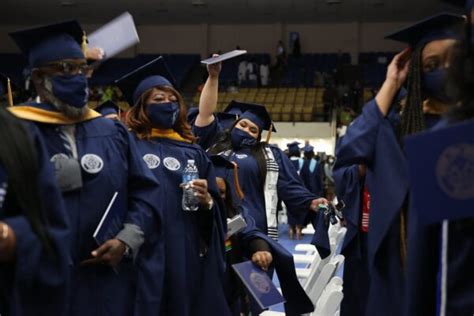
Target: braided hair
{"x":412,"y":119}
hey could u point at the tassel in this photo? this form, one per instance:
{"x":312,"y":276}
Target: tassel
{"x":9,"y":91}
{"x":238,"y":190}
{"x":84,"y":43}
{"x":269,"y":134}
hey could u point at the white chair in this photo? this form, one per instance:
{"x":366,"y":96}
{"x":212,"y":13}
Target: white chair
{"x":308,"y":230}
{"x":327,"y":272}
{"x":331,"y":298}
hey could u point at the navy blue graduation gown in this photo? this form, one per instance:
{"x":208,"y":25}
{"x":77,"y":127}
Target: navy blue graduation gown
{"x":297,"y":302}
{"x":422,"y":283}
{"x":312,"y":177}
{"x":208,"y":135}
{"x":194,"y":241}
{"x":36,"y":283}
{"x":349,"y":188}
{"x":97,"y":289}
{"x":289,"y":187}
{"x":296,"y":163}
{"x":371,"y":140}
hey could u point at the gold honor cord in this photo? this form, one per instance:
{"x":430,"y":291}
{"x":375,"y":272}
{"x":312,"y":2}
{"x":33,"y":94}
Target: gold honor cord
{"x":238,"y":189}
{"x":269,"y":134}
{"x":9,"y":92}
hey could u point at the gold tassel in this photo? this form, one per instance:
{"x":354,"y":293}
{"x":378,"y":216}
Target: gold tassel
{"x":238,"y":190}
{"x":9,"y":90}
{"x":84,"y":43}
{"x":269,"y":134}
{"x":403,"y":238}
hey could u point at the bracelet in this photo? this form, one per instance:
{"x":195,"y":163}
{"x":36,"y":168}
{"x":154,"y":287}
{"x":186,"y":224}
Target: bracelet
{"x":5,"y":231}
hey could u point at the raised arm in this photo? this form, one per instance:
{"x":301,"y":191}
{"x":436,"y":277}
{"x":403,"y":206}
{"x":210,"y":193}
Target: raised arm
{"x":397,"y":73}
{"x":208,"y":100}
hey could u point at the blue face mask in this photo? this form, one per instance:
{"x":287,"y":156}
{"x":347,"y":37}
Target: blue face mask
{"x":71,"y":89}
{"x":433,"y":85}
{"x":240,"y":138}
{"x":163,"y":115}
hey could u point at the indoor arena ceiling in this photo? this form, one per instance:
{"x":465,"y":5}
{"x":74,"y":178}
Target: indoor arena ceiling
{"x":218,"y":11}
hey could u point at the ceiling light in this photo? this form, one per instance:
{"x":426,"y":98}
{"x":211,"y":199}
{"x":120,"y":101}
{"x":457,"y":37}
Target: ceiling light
{"x":68,"y":3}
{"x":198,"y":3}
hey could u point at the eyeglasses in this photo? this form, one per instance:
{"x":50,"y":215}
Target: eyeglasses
{"x":68,"y":68}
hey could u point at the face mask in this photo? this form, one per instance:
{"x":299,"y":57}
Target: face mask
{"x":163,"y":115}
{"x":433,"y":85}
{"x":240,"y":138}
{"x":71,"y":89}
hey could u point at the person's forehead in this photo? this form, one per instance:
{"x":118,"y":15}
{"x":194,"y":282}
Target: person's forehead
{"x":438,"y":47}
{"x":252,"y":124}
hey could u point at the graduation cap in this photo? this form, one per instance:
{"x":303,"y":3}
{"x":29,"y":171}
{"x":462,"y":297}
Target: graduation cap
{"x":256,"y":113}
{"x":234,"y":111}
{"x":152,"y":74}
{"x":227,"y":119}
{"x":293,"y":148}
{"x":107,"y":108}
{"x":308,"y":149}
{"x":48,"y":43}
{"x":438,"y":27}
{"x":222,"y":165}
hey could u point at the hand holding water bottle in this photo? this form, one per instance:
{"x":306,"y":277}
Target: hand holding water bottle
{"x":195,"y":191}
{"x":201,"y":192}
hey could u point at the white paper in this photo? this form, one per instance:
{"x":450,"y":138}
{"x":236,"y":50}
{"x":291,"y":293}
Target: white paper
{"x":105,"y":215}
{"x":115,"y":36}
{"x":223,"y":57}
{"x":235,"y":225}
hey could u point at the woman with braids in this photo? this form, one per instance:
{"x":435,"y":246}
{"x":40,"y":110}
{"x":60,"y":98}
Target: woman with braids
{"x":194,"y":239}
{"x":450,"y":239}
{"x":375,"y":139}
{"x":33,"y":227}
{"x":265,"y":172}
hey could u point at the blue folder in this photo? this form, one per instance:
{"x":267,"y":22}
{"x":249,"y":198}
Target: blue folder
{"x":258,"y":284}
{"x":441,"y":165}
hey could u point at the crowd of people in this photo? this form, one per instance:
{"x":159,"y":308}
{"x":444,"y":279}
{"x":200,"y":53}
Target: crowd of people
{"x":127,"y":214}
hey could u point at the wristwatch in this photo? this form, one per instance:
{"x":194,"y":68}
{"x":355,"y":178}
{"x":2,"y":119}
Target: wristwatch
{"x":128,"y":252}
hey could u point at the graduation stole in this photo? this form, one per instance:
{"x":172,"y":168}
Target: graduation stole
{"x":168,"y":134}
{"x":271,"y":194}
{"x":36,"y":114}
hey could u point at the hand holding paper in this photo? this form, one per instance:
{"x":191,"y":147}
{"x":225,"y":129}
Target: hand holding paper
{"x":214,"y":69}
{"x":226,"y":56}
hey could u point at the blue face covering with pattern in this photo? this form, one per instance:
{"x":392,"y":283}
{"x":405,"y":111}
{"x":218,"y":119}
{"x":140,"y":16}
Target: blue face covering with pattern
{"x":240,"y":138}
{"x":163,"y":115}
{"x":71,"y":89}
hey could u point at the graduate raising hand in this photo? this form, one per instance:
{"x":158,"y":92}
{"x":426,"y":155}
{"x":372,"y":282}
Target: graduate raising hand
{"x":397,"y":73}
{"x":209,"y":95}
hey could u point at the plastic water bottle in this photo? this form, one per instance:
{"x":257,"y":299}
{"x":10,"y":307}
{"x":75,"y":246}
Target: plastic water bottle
{"x":190,"y":201}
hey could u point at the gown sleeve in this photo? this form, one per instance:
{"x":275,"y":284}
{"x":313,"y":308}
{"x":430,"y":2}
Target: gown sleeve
{"x":143,"y":215}
{"x":207,"y":135}
{"x":290,"y":187}
{"x":41,"y":278}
